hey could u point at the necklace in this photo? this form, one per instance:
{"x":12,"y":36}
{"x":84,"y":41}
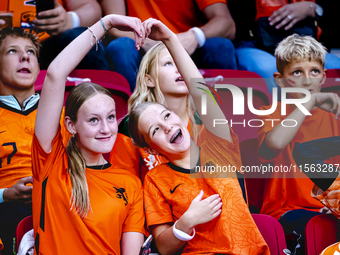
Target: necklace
{"x":98,"y":171}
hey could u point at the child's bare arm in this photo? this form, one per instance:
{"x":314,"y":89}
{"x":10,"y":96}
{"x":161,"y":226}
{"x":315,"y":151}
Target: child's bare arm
{"x":278,"y":138}
{"x":188,"y":70}
{"x":52,"y":94}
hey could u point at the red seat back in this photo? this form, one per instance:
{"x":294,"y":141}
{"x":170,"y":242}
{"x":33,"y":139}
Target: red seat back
{"x":320,"y":232}
{"x":332,"y":83}
{"x":243,"y":80}
{"x":114,"y":82}
{"x":272,"y":233}
{"x":24,"y":226}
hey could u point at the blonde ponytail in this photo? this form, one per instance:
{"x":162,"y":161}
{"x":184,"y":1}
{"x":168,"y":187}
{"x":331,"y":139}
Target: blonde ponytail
{"x":80,"y":199}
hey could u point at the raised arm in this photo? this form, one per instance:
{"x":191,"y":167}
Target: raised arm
{"x":187,"y":68}
{"x":277,"y":139}
{"x":52,"y":94}
{"x":119,"y":7}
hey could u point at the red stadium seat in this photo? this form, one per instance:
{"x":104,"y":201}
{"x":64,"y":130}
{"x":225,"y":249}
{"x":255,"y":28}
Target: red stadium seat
{"x":320,"y":233}
{"x":332,"y":83}
{"x":257,"y":82}
{"x":244,"y":80}
{"x":24,"y":226}
{"x":115,"y":82}
{"x":272,"y":233}
{"x":255,"y":182}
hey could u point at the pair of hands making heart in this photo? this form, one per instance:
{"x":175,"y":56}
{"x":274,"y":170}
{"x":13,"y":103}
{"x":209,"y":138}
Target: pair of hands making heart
{"x":150,"y":28}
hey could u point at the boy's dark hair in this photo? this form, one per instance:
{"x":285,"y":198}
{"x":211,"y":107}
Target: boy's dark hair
{"x":19,"y":32}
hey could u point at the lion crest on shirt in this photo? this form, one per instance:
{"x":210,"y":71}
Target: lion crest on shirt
{"x":121,"y":194}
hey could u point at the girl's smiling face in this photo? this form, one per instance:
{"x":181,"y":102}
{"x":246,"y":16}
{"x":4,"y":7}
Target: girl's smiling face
{"x":96,"y":125}
{"x":163,"y":130}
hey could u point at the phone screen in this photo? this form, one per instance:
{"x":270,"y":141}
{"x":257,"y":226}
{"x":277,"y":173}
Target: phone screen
{"x":43,"y":5}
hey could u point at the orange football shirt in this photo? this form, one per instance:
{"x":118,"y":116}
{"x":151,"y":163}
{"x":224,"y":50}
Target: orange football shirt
{"x":179,"y":16}
{"x":169,"y":191}
{"x":16,"y":134}
{"x":115,"y":195}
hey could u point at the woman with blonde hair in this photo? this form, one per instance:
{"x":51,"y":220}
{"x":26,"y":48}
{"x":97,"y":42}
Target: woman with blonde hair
{"x":82,"y":204}
{"x":158,"y":80}
{"x":190,"y":210}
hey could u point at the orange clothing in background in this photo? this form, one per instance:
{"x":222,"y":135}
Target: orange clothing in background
{"x":179,"y":15}
{"x":24,"y":12}
{"x":265,"y":8}
{"x":1,"y":245}
{"x":169,"y":191}
{"x":115,"y":196}
{"x":16,"y":134}
{"x":292,"y":190}
{"x":127,"y":156}
{"x":333,"y":249}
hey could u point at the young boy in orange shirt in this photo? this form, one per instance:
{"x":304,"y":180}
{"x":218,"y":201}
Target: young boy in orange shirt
{"x":19,"y":52}
{"x":287,"y":197}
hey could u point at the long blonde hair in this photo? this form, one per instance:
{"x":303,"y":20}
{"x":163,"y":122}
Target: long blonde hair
{"x":80,"y":199}
{"x":142,"y":92}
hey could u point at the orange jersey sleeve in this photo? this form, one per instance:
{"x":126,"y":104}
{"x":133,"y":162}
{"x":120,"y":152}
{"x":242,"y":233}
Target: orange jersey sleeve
{"x":115,"y":197}
{"x":125,"y":155}
{"x":291,"y":189}
{"x":169,"y":191}
{"x":179,"y":17}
